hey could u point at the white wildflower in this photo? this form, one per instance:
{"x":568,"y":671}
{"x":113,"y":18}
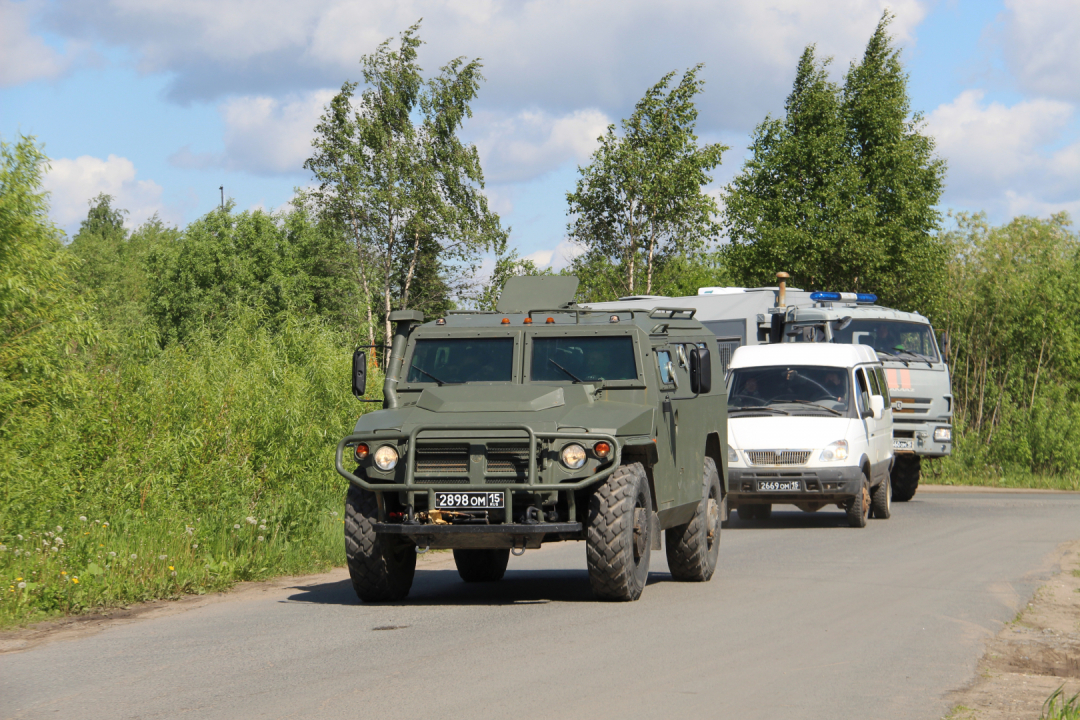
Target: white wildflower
{"x":174,"y":573}
{"x":22,"y":585}
{"x":44,"y":542}
{"x":235,"y":527}
{"x":195,"y":546}
{"x":59,"y":529}
{"x":98,"y":522}
{"x":59,"y":541}
{"x":56,"y":549}
{"x":50,"y":534}
{"x":333,"y":513}
{"x":82,"y":518}
{"x":189,"y":530}
{"x":18,"y":552}
{"x":112,"y":554}
{"x":19,"y":537}
{"x":104,"y":524}
{"x":262,"y":527}
{"x":251,"y":521}
{"x":260,"y":538}
{"x":3,"y":548}
{"x":134,"y":556}
{"x":162,"y":557}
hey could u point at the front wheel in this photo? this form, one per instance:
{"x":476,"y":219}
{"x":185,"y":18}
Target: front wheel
{"x":905,"y":477}
{"x":859,"y":506}
{"x":617,"y":545}
{"x":693,"y":548}
{"x":381,"y":566}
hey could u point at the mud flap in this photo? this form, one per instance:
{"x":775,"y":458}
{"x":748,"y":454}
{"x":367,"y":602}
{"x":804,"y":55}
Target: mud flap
{"x":654,"y":531}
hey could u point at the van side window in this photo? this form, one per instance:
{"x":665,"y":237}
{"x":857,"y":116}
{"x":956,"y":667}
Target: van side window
{"x":884,"y":385}
{"x":663,"y":358}
{"x":871,"y":375}
{"x":864,"y":392}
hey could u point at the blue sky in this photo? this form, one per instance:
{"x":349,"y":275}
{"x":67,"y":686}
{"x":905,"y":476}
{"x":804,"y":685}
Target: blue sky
{"x":159,"y":103}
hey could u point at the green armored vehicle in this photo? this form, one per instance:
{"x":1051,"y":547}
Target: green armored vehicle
{"x":539,"y":422}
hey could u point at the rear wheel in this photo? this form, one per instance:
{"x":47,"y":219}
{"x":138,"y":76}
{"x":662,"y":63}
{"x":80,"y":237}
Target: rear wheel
{"x":618,"y":546}
{"x":692,"y":549}
{"x":381,"y":566}
{"x":905,"y":477}
{"x":755,"y":511}
{"x":859,"y":506}
{"x":881,"y":500}
{"x":481,"y":565}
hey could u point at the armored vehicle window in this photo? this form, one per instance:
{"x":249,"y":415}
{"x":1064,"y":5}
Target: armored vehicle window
{"x":790,"y":390}
{"x":890,"y":336}
{"x":583,"y":359}
{"x":462,"y":360}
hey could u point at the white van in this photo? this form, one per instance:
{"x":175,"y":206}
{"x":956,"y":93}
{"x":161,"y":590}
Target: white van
{"x":809,"y":425}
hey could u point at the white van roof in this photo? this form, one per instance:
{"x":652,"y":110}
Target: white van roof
{"x":794,"y":353}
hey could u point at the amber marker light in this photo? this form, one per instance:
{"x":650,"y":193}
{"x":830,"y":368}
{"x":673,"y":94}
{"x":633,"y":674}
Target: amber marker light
{"x":550,"y":320}
{"x":362,"y":451}
{"x":528,"y":321}
{"x":602,"y":449}
{"x":506,"y":321}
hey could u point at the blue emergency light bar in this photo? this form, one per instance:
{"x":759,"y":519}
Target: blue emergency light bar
{"x":860,"y":298}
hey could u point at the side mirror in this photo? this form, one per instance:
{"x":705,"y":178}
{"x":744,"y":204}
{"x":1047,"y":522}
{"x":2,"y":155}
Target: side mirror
{"x":359,"y":373}
{"x":700,"y":370}
{"x":671,"y":374}
{"x":877,"y":406}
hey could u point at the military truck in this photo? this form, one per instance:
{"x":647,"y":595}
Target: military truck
{"x":539,"y":422}
{"x":918,"y":376}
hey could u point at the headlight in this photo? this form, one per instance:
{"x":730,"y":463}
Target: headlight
{"x":573,"y":456}
{"x":942,"y":434}
{"x":386,"y":458}
{"x":732,"y":455}
{"x":836,"y":451}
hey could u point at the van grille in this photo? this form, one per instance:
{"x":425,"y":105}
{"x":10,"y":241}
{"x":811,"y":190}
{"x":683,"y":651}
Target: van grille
{"x":778,"y":457}
{"x":442,"y":459}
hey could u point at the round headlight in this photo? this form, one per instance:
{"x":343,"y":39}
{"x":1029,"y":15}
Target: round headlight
{"x":386,"y":458}
{"x":573,"y":456}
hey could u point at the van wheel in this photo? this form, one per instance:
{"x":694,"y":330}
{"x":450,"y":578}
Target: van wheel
{"x":693,"y":548}
{"x":881,"y":500}
{"x":905,"y":477}
{"x":755,"y":512}
{"x":381,"y":566}
{"x":617,"y":545}
{"x":481,"y":565}
{"x":859,"y":506}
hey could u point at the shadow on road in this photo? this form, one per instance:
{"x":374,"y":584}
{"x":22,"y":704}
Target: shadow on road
{"x":793,"y":518}
{"x":445,"y":587}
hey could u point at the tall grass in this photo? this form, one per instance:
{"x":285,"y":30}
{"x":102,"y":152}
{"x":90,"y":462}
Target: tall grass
{"x":1059,"y":707}
{"x":181,"y":470}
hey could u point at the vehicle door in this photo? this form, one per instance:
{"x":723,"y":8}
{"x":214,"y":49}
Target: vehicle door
{"x":885,"y":424}
{"x":869,"y":425}
{"x":688,"y":440}
{"x":665,"y":478}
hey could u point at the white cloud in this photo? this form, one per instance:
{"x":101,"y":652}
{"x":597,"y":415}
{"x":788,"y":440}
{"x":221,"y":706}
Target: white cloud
{"x":557,"y":257}
{"x":73,"y":183}
{"x":1041,"y":48}
{"x":24,"y":56}
{"x":1007,"y":158}
{"x":522,"y":146}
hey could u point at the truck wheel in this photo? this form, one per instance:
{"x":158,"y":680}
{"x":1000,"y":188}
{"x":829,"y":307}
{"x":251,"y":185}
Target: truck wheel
{"x":905,"y":477}
{"x":617,"y":546}
{"x":381,"y":566}
{"x":481,"y":565}
{"x":859,"y":506}
{"x":881,"y":500}
{"x":755,"y":512}
{"x":692,"y":549}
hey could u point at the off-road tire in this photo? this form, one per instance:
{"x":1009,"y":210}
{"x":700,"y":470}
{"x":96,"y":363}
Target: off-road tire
{"x":481,"y":565}
{"x":755,"y":511}
{"x":617,"y":555}
{"x":693,"y":548}
{"x":905,"y":477}
{"x":881,"y":500}
{"x":859,"y":506}
{"x":381,"y":566}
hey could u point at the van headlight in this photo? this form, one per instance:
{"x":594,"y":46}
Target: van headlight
{"x":386,"y":458}
{"x":573,"y":456}
{"x":836,"y":451}
{"x":732,"y":455}
{"x":942,"y":434}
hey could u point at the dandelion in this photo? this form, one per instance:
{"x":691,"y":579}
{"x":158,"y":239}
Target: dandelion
{"x":189,"y":530}
{"x":251,"y":521}
{"x":104,"y":524}
{"x":55,"y":549}
{"x":98,"y":522}
{"x":162,"y":557}
{"x":112,"y":554}
{"x":260,"y":538}
{"x":19,"y":537}
{"x":134,"y":556}
{"x":18,"y":553}
{"x":59,"y":529}
{"x":171,"y":567}
{"x":262,"y":527}
{"x":82,"y":518}
{"x":18,"y":579}
{"x":44,"y":542}
{"x":195,"y":546}
{"x":63,"y":572}
{"x":174,"y":573}
{"x":59,"y":541}
{"x":235,"y":527}
{"x":22,"y":585}
{"x":75,"y":580}
{"x":333,"y":513}
{"x":3,"y":548}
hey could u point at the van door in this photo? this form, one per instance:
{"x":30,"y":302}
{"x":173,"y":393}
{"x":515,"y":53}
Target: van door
{"x":879,"y":431}
{"x":862,"y":404}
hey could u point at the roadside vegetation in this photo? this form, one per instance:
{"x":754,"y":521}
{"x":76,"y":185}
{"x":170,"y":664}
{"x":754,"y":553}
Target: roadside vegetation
{"x":170,"y":398}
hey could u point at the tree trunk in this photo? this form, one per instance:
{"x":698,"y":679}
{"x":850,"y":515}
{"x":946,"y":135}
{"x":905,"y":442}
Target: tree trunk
{"x":649,"y":263}
{"x":412,"y":271}
{"x":364,"y":284}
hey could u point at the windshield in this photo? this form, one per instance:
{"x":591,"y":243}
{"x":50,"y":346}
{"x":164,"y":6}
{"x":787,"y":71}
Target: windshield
{"x":790,"y":389}
{"x":462,"y":360}
{"x":888,"y":336}
{"x":583,"y":359}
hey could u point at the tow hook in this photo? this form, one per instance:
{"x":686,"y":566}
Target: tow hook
{"x":514,"y":548}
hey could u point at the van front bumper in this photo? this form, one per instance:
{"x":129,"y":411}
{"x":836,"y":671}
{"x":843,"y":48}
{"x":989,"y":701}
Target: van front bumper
{"x":820,"y":485}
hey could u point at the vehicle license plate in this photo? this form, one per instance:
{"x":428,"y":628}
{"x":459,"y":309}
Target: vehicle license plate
{"x":903,"y":444}
{"x":778,"y":485}
{"x":468,"y":500}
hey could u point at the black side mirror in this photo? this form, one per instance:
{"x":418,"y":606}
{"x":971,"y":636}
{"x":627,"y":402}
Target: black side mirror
{"x":700,"y":370}
{"x":359,"y":373}
{"x":776,"y":329}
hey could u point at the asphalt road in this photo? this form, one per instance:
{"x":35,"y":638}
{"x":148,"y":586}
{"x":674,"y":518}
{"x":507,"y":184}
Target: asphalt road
{"x":806,"y":618}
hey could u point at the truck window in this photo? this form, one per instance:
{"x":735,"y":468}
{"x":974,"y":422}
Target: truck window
{"x":890,"y":336}
{"x":588,"y":359}
{"x":462,"y":360}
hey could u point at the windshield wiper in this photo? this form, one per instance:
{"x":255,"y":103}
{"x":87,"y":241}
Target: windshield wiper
{"x":886,"y":352}
{"x":918,"y":356}
{"x":437,"y":380}
{"x":754,"y":408}
{"x":814,"y":405}
{"x":576,"y":378}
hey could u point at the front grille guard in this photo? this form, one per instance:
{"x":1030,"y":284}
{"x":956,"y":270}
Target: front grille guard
{"x":412,"y":488}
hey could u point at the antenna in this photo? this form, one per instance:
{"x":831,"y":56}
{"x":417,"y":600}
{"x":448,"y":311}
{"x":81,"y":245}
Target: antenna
{"x":222,"y":189}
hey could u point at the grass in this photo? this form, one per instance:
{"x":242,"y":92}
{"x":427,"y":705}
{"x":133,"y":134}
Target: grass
{"x":994,"y":477}
{"x":1059,"y":707}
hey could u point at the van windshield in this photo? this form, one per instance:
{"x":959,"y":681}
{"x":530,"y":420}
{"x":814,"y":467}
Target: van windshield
{"x":583,"y":359}
{"x":447,"y":361}
{"x":790,"y":390}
